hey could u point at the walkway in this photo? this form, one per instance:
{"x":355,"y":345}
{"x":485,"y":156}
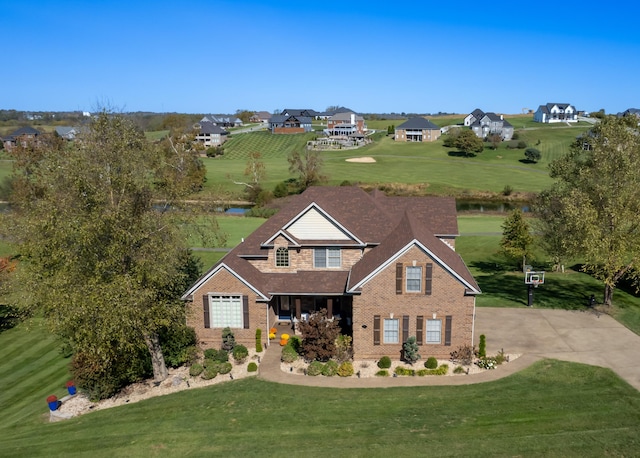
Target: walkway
{"x":577,"y":336}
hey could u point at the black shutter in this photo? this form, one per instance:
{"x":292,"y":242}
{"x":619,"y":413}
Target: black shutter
{"x":405,"y":328}
{"x":245,"y":311}
{"x":427,"y":279}
{"x":419,"y":325}
{"x":205,"y":307}
{"x":399,"y":278}
{"x":447,"y":330}
{"x":376,"y":330}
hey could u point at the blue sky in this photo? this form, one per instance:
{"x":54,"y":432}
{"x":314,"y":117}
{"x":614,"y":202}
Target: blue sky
{"x":413,"y":56}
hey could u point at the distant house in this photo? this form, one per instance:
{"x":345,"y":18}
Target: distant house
{"x":68,"y":133}
{"x":631,"y":112}
{"x":305,"y":112}
{"x":260,"y":116}
{"x":222,"y":120}
{"x":327,"y":114}
{"x":345,"y":124}
{"x":485,"y":124}
{"x":417,"y":129}
{"x":24,"y":135}
{"x":290,"y":124}
{"x":384,"y":267}
{"x":210,"y":134}
{"x":556,"y":112}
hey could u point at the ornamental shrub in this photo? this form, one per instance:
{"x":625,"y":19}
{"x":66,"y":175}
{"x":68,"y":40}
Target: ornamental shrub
{"x":295,"y":342}
{"x":487,"y":363}
{"x":330,"y":368}
{"x":384,"y":363}
{"x":442,"y":370}
{"x":210,"y":372}
{"x":344,"y":350}
{"x":404,"y":371}
{"x":315,"y":368}
{"x":382,"y":373}
{"x":319,"y":335}
{"x":220,"y":356}
{"x":240,"y":353}
{"x":289,"y":354}
{"x":228,"y":339}
{"x":459,"y":370}
{"x":224,"y":368}
{"x":410,"y":348}
{"x":258,"y":340}
{"x":463,"y":355}
{"x":345,"y":369}
{"x":252,"y":367}
{"x":482,"y":346}
{"x":195,"y":370}
{"x":431,"y":363}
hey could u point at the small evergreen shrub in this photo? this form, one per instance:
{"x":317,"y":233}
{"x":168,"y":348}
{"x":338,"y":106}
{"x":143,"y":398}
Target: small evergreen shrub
{"x":330,"y":368}
{"x":208,"y":362}
{"x":459,"y":370}
{"x":252,"y":367}
{"x":382,"y":373}
{"x":258,"y":340}
{"x":195,"y":370}
{"x":228,"y":339}
{"x":431,"y":363}
{"x":210,"y":372}
{"x":315,"y":368}
{"x":482,"y":346}
{"x":384,"y":363}
{"x":442,"y":370}
{"x":224,"y":368}
{"x":295,"y":342}
{"x":210,"y":353}
{"x":410,"y":348}
{"x":220,"y":356}
{"x":501,"y":357}
{"x":240,"y":353}
{"x":507,"y":190}
{"x":345,"y":369}
{"x":289,"y":354}
{"x":404,"y":371}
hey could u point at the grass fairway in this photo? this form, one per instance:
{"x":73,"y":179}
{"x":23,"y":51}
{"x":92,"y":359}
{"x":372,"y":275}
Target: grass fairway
{"x":545,"y":410}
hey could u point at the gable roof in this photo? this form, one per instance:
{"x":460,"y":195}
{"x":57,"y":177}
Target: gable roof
{"x":549,"y":106}
{"x":345,"y":116}
{"x":208,"y":127}
{"x":27,"y":130}
{"x":299,"y":112}
{"x":383,"y":224}
{"x":275,"y":119}
{"x":418,"y":123}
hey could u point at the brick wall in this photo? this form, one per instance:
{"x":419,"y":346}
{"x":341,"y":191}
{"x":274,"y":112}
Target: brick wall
{"x":379,"y":298}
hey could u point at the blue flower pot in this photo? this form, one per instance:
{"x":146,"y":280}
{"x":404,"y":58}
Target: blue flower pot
{"x":53,"y":405}
{"x":72,"y":390}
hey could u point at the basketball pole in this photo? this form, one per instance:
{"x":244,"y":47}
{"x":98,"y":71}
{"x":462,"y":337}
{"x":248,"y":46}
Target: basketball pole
{"x":530,"y":291}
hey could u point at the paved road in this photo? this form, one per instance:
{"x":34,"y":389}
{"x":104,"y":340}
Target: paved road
{"x":577,"y":336}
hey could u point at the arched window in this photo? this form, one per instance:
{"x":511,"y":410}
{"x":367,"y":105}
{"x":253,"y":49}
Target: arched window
{"x":282,"y":257}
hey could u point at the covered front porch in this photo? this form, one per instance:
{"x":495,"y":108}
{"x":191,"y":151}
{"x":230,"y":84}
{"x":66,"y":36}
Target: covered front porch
{"x":290,"y":310}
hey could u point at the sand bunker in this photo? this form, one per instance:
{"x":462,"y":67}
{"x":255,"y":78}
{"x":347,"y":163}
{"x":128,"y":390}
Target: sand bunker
{"x":361,"y":159}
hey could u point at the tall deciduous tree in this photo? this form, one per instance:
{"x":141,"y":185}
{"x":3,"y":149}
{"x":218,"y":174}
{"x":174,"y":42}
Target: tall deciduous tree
{"x":516,"y":240}
{"x":468,"y":142}
{"x":308,"y":166}
{"x":592,"y":209}
{"x":97,"y":257}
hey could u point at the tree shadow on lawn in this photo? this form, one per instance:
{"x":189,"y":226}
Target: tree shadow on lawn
{"x":527,"y":161}
{"x":460,"y":154}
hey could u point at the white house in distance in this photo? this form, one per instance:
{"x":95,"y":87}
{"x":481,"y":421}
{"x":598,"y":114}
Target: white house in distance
{"x":556,"y":112}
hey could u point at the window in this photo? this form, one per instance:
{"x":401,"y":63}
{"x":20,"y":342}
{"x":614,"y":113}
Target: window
{"x":326,"y":257}
{"x":282,"y":257}
{"x":434,"y":329}
{"x":414,"y":279}
{"x":391,"y":331}
{"x":226,"y":311}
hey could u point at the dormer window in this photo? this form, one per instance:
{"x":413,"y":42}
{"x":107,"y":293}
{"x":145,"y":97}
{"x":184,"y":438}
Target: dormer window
{"x":282,"y":257}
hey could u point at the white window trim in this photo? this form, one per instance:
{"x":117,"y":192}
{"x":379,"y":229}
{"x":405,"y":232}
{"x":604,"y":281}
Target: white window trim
{"x":216,"y":315}
{"x":327,"y":257}
{"x":419,"y":279}
{"x":288,"y":261}
{"x":439,"y":331}
{"x":396,"y":330}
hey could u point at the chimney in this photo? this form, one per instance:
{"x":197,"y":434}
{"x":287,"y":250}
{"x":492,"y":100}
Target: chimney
{"x":353,"y":119}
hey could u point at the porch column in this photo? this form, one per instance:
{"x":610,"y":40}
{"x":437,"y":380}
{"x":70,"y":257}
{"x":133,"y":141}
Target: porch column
{"x":298,"y":308}
{"x":330,"y":307}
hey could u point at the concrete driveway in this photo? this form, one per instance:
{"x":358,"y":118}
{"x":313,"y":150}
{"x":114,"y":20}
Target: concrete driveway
{"x":577,"y":336}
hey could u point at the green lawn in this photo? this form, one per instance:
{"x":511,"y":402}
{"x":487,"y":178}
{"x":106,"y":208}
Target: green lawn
{"x":545,"y":410}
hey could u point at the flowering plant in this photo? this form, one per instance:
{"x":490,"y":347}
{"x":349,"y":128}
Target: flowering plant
{"x":70,"y":383}
{"x":487,"y":363}
{"x":52,"y":398}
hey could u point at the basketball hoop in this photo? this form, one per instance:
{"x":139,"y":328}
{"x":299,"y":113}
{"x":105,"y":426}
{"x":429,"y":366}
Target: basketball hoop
{"x":535,"y":283}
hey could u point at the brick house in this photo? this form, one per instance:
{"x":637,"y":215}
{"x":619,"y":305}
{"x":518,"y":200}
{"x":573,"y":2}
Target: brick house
{"x":385,"y":267}
{"x":345,"y":124}
{"x":417,"y":129}
{"x":210,"y":135}
{"x":23,"y":135}
{"x":289,"y":124}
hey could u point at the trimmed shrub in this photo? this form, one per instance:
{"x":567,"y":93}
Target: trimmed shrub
{"x":459,"y":370}
{"x":210,"y":372}
{"x":289,"y":354}
{"x":224,"y":368}
{"x":442,"y":370}
{"x":404,"y":371}
{"x":431,"y":363}
{"x":384,"y":363}
{"x":258,"y":340}
{"x":240,"y":353}
{"x":330,"y":368}
{"x":228,"y":339}
{"x":315,"y":368}
{"x":482,"y":346}
{"x":220,"y":356}
{"x":252,"y":367}
{"x":382,"y":373}
{"x":345,"y":369}
{"x":195,"y":370}
{"x":295,"y":342}
{"x":410,"y":348}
